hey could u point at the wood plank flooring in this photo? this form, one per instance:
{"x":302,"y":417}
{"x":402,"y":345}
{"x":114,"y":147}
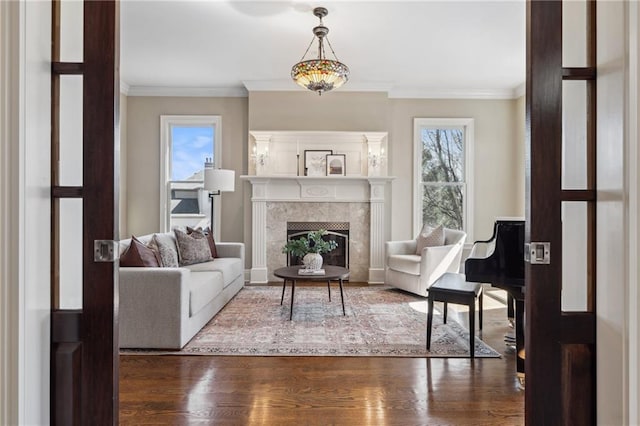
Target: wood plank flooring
{"x":217,"y":390}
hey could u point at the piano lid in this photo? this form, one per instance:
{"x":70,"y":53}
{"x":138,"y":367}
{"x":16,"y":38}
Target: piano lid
{"x":502,"y":262}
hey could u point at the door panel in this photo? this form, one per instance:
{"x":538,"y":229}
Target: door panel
{"x":84,"y":182}
{"x":560,"y":357}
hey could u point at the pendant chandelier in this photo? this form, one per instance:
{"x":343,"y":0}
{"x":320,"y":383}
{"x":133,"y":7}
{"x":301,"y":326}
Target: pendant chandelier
{"x":321,"y":74}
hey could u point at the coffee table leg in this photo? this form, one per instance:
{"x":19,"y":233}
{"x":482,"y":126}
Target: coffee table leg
{"x":342,"y":297}
{"x":284,"y":283}
{"x":329,"y":288}
{"x":293,"y":290}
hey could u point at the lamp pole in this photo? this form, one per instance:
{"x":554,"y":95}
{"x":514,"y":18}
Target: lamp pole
{"x":211,"y":194}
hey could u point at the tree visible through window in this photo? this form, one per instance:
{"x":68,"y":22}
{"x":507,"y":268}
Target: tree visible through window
{"x":443,"y":177}
{"x":443,"y":191}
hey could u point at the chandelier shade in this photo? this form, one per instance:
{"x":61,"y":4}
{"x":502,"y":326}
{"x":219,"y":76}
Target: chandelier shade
{"x":320,"y":74}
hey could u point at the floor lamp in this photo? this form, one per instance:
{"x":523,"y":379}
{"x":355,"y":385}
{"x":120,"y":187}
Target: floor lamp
{"x":217,"y":181}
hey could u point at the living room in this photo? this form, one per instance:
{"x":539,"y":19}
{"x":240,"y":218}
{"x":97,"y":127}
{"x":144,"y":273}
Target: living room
{"x":498,"y":138}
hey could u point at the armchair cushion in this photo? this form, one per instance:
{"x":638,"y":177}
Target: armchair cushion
{"x":429,"y":237}
{"x":407,"y":263}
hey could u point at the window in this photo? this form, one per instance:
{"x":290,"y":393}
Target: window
{"x":442,"y":173}
{"x":188,"y":145}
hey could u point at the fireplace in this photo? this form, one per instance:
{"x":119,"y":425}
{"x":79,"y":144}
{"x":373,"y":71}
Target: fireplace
{"x":357,"y":200}
{"x":336,"y":231}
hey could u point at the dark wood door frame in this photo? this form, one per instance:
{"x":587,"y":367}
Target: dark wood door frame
{"x":84,"y":379}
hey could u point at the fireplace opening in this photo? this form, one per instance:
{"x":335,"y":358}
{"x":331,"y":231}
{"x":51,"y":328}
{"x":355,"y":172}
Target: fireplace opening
{"x":336,"y":231}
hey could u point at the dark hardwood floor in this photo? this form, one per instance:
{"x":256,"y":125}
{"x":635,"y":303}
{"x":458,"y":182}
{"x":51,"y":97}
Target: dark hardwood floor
{"x":219,"y":390}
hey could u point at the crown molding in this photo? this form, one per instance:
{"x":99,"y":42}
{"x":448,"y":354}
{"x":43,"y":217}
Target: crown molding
{"x":124,"y":88}
{"x":452,"y":93}
{"x":219,"y":92}
{"x":284,"y":85}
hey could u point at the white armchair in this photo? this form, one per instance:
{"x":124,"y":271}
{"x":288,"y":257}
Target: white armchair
{"x":415,"y":273}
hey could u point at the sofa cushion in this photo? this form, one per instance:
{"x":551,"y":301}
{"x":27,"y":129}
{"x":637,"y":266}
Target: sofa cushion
{"x":192,"y":248}
{"x":429,"y":237}
{"x":230,"y":267}
{"x":167,"y":248}
{"x":139,"y":255}
{"x":407,"y":263}
{"x":207,"y":233}
{"x":203,"y":288}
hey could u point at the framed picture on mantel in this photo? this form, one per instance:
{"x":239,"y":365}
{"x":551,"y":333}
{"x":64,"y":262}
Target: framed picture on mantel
{"x":336,"y":165}
{"x":315,"y":162}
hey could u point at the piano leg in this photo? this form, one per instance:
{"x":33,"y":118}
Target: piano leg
{"x":519,"y":330}
{"x":510,"y":307}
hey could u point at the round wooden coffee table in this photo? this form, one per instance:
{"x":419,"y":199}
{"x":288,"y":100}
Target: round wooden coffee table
{"x":331,"y":273}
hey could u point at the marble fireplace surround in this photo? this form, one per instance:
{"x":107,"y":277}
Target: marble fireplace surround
{"x":277,"y":200}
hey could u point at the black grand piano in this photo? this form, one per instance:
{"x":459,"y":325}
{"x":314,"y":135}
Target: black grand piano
{"x":500,"y":262}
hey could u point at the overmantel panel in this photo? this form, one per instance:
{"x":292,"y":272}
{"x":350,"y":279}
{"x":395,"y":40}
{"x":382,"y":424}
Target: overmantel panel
{"x":282,"y":153}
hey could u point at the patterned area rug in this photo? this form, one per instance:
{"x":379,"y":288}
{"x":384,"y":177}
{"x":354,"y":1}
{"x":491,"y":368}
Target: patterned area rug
{"x":379,"y":321}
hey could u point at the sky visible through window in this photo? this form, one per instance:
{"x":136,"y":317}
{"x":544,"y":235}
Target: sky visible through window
{"x":190,"y":146}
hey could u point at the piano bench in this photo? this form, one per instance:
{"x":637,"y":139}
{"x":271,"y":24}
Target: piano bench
{"x":454,"y":288}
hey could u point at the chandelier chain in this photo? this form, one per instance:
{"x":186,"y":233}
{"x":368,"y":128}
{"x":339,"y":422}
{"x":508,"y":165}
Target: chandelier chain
{"x":308,"y":47}
{"x":331,"y":47}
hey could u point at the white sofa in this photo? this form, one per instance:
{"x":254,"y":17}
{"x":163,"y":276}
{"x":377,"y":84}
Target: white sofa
{"x":164,"y":308}
{"x":415,"y":273}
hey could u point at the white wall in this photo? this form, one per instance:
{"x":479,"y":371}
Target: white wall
{"x":26,"y":42}
{"x":35,"y":215}
{"x":9,"y":213}
{"x":632,"y":409}
{"x":613,"y":367}
{"x":633,"y":135}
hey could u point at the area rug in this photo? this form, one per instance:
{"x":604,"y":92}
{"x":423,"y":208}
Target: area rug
{"x":379,"y":321}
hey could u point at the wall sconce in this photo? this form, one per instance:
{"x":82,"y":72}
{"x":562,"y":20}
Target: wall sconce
{"x":375,"y":160}
{"x":260,"y":159}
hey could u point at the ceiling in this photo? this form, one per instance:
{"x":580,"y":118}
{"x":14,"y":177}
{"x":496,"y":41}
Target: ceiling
{"x":409,"y":49}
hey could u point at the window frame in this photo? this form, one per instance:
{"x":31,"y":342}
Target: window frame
{"x":166,"y":123}
{"x":467,"y":124}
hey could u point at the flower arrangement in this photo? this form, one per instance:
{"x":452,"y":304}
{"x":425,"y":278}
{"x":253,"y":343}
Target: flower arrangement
{"x":312,"y":243}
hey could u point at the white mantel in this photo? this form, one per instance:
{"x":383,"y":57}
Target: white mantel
{"x":339,"y":189}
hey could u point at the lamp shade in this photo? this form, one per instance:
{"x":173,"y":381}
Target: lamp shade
{"x":219,"y":180}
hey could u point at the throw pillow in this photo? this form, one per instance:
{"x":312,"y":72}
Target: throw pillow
{"x":139,"y":255}
{"x":431,"y":238}
{"x":206,"y":232}
{"x":167,"y":249}
{"x":212,"y":242}
{"x":192,"y":248}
